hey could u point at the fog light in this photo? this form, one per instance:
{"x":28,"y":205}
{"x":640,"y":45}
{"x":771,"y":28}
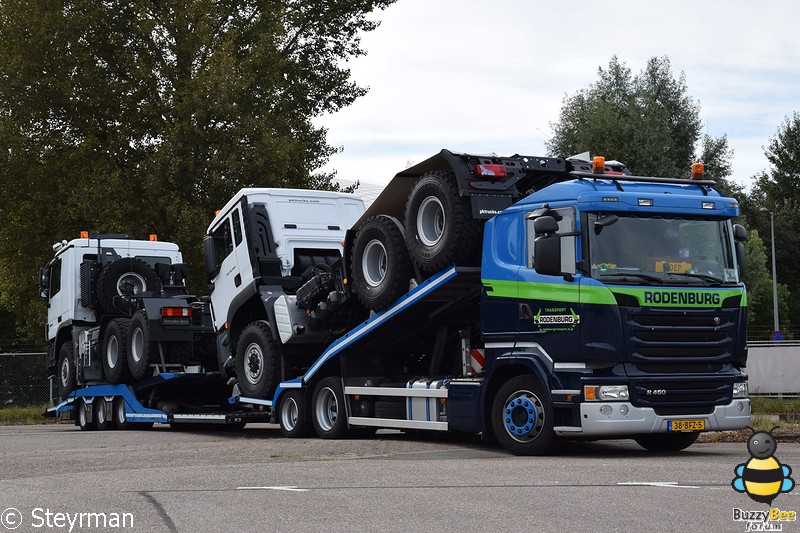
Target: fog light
{"x":605,"y":410}
{"x":623,"y":410}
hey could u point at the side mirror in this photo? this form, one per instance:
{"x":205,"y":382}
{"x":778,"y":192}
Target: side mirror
{"x":545,"y":225}
{"x":547,"y":254}
{"x":739,"y":233}
{"x":210,"y":257}
{"x":44,"y":283}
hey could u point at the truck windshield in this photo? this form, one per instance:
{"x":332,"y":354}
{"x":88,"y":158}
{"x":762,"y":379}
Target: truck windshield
{"x":661,"y":250}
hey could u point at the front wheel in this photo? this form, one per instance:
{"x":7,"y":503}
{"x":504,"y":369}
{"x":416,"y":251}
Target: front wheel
{"x":66,"y":370}
{"x":293,"y":415}
{"x":522,"y":417}
{"x":257,"y":361}
{"x":328,"y":412}
{"x":667,"y":442}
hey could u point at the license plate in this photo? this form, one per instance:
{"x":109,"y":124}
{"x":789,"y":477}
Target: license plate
{"x":686,"y":425}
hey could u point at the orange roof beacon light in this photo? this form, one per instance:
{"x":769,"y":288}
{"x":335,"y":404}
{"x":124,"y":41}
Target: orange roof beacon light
{"x":697,"y":171}
{"x":153,"y":237}
{"x":84,"y":235}
{"x":598,"y":164}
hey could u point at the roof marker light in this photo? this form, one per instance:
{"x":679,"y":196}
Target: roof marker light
{"x":598,"y":164}
{"x":153,"y":237}
{"x":646,"y":202}
{"x":708,"y":205}
{"x":84,"y":235}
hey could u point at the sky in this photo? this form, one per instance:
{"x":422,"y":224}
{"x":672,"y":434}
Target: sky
{"x":489,"y":76}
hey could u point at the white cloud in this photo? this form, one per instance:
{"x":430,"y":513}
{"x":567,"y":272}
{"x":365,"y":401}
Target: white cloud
{"x":480,"y":76}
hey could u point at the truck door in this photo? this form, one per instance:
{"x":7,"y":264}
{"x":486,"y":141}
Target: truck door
{"x":57,"y":296}
{"x":549,"y":312}
{"x":241,"y":250}
{"x":228,"y":278}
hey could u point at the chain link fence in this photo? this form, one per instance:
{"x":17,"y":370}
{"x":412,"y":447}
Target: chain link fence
{"x":23,"y":376}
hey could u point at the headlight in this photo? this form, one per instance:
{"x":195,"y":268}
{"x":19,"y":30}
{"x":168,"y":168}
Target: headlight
{"x":594,"y":393}
{"x":740,"y":390}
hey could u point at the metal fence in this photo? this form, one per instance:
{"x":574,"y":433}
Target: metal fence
{"x":23,"y":379}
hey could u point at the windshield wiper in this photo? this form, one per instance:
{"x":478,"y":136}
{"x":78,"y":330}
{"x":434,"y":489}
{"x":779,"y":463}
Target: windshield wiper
{"x":623,"y":275}
{"x":706,"y":277}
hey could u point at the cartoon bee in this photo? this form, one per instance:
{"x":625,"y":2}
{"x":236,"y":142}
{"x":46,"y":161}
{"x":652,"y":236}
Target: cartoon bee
{"x":762,"y":477}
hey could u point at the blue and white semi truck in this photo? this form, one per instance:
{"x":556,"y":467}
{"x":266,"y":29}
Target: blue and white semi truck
{"x":524,"y":298}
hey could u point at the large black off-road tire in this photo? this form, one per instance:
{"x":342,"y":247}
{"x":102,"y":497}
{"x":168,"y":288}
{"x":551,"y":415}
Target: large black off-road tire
{"x":522,"y":417}
{"x":667,"y":442}
{"x":65,"y":370}
{"x":294,"y":415}
{"x":439,"y":226}
{"x":381,"y":267}
{"x":115,"y":351}
{"x":142,"y":350}
{"x":125,"y":278}
{"x":328,"y":411}
{"x":257,"y":361}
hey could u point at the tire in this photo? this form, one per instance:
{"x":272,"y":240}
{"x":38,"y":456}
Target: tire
{"x":115,"y":351}
{"x":439,"y":226}
{"x":125,"y":277}
{"x":141,"y":351}
{"x":120,"y":414}
{"x":82,"y":416}
{"x":667,"y":442}
{"x":294,"y":415}
{"x":522,"y":417}
{"x":66,"y":370}
{"x":381,"y":267}
{"x":328,"y":411}
{"x":101,"y":420}
{"x":257,"y":361}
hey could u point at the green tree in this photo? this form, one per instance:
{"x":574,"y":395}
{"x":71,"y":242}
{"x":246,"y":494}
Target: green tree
{"x":778,"y":190}
{"x":759,"y":290}
{"x":647,"y":120}
{"x":144,"y":117}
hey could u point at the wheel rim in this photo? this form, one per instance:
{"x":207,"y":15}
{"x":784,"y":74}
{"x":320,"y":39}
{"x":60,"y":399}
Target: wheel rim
{"x":254,"y":365}
{"x":430,"y":221}
{"x":121,"y":415}
{"x":137,"y":345}
{"x":131,"y":284}
{"x":374,"y":263}
{"x":100,"y":415}
{"x":65,"y":372}
{"x":112,"y":352}
{"x":327,"y":409}
{"x":290,"y":412}
{"x":523,"y":416}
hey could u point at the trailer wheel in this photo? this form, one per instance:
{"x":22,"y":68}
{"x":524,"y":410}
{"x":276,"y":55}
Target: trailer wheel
{"x":101,"y":419}
{"x":328,"y":411}
{"x":66,"y":370}
{"x":115,"y":351}
{"x":257,"y":361}
{"x":294,"y":415}
{"x":669,"y":442}
{"x":141,"y":349}
{"x":126,"y":277}
{"x":381,"y":266}
{"x":439,"y":226}
{"x":522,"y":417}
{"x":82,"y":413}
{"x":120,"y":414}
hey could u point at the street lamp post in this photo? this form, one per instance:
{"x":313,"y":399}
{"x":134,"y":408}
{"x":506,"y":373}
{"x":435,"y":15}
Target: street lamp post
{"x":774,"y":272}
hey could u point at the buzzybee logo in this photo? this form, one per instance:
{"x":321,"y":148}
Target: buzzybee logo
{"x":762,"y":477}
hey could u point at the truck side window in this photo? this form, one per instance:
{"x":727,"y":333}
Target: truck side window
{"x":565,"y":216}
{"x":55,"y":278}
{"x":237,"y":228}
{"x":222,"y":241}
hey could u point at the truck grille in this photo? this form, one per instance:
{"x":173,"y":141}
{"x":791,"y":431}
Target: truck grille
{"x":665,"y":335}
{"x":682,"y":397}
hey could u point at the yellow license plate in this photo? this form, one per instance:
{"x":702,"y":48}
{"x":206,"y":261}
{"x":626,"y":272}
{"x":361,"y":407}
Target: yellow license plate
{"x":686,"y":425}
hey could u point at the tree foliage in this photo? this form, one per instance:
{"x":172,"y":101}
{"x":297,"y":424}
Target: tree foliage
{"x":647,"y":120}
{"x":145,"y":116}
